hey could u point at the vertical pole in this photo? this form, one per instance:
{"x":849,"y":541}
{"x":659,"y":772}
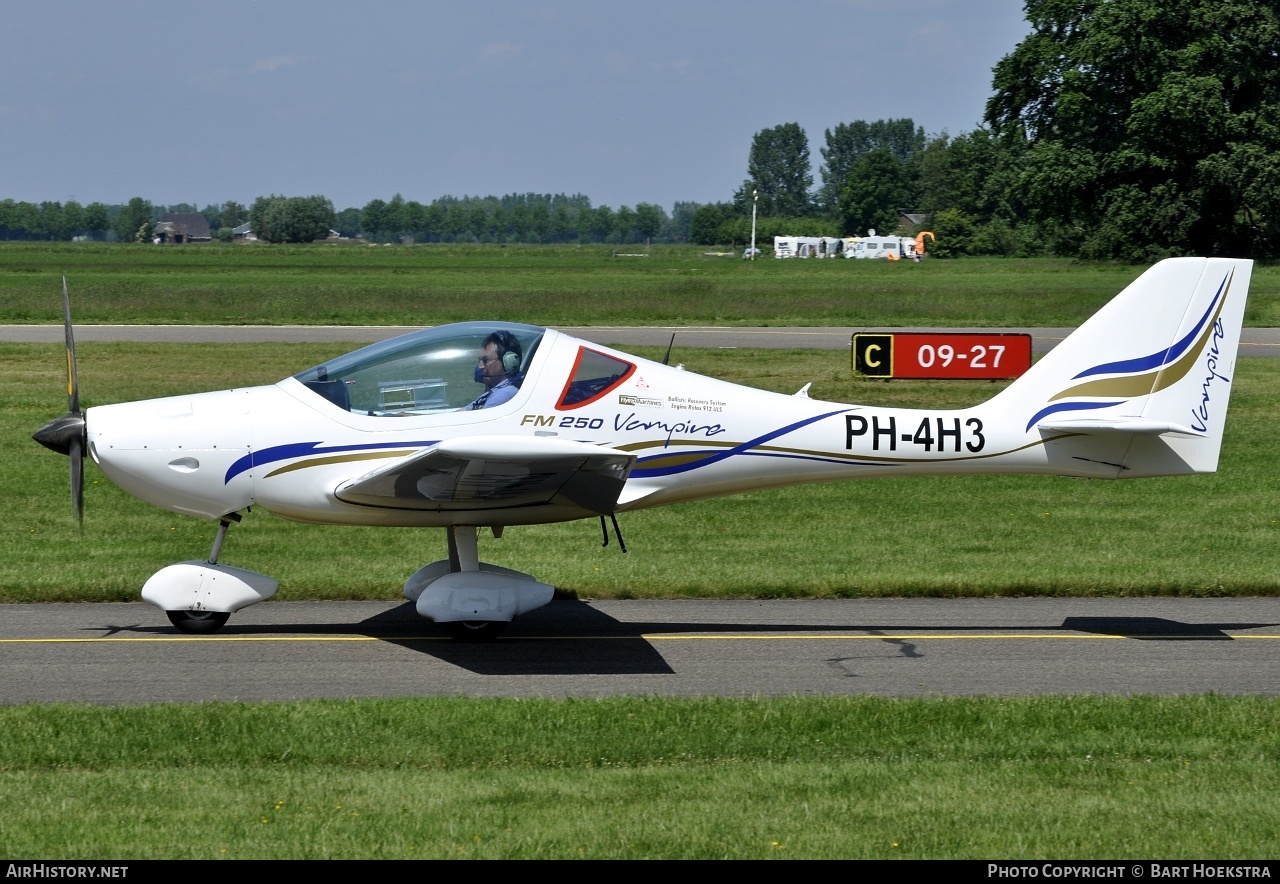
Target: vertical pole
{"x":755,"y":198}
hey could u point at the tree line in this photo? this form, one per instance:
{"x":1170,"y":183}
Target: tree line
{"x":129,"y":222}
{"x":874,"y":174}
{"x":514,"y":218}
{"x":1117,"y":129}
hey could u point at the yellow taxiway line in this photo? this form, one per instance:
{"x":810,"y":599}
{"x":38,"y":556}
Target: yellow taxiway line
{"x":659,"y":637}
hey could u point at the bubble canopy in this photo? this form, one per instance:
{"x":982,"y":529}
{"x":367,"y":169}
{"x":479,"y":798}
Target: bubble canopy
{"x":423,"y":372}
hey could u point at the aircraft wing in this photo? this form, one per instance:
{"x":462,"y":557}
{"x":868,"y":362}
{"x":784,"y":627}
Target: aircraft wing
{"x":497,"y":472}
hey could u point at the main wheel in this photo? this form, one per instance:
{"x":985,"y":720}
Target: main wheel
{"x":198,"y":622}
{"x":474,"y":631}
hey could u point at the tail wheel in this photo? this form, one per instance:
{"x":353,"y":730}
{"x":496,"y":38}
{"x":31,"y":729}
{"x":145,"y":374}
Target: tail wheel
{"x":475,"y":631}
{"x":198,"y":622}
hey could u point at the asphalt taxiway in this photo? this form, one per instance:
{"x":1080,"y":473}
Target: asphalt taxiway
{"x":127,"y":653}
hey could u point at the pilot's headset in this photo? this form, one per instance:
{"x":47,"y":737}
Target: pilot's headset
{"x":508,"y":350}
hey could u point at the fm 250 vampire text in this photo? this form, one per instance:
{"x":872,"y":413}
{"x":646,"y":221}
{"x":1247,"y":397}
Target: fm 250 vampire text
{"x":496,"y":424}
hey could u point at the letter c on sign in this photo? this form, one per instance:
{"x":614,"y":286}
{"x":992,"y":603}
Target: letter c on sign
{"x":866,"y":356}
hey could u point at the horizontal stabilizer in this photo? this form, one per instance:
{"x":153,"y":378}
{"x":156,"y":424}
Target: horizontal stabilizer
{"x":1118,"y":425}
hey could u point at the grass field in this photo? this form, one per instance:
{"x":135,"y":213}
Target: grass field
{"x":786,"y":778}
{"x":551,"y":285}
{"x":816,"y":777}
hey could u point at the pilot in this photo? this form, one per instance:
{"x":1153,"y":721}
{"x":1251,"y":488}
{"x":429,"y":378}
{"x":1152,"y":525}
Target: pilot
{"x":498,"y":368}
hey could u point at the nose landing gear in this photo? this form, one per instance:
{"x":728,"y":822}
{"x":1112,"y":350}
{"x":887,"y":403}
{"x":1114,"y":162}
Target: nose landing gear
{"x":199,"y":597}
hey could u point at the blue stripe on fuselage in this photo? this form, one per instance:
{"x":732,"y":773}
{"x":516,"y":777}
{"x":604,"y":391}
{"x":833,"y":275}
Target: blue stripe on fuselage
{"x":304,"y":449}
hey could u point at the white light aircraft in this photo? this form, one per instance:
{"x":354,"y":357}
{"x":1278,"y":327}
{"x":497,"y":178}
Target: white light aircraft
{"x":495,"y":424}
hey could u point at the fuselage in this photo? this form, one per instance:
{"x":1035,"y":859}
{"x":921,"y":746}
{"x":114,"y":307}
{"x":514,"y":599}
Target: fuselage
{"x":290,"y":447}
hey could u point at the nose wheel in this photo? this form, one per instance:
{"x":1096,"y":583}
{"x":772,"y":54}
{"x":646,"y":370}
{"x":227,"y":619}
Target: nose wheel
{"x":198,"y":622}
{"x":474,"y":631}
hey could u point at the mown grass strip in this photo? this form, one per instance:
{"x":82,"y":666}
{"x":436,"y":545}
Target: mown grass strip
{"x":551,"y":285}
{"x":847,"y":777}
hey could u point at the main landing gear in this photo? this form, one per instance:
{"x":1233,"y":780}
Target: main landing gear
{"x":473,"y":600}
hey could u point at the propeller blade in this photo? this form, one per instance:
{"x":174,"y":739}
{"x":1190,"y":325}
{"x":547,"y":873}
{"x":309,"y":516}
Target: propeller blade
{"x":73,"y":383}
{"x":68,"y":434}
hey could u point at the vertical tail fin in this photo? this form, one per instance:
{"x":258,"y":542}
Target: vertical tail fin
{"x":1155,"y":364}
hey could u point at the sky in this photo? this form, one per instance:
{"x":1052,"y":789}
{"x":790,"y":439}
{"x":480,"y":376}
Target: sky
{"x":649,"y":101}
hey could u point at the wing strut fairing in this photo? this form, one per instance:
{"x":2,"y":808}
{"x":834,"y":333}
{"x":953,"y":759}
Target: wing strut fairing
{"x":495,"y":473}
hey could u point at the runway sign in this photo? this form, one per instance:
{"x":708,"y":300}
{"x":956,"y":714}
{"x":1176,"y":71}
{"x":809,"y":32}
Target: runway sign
{"x":941,"y":355}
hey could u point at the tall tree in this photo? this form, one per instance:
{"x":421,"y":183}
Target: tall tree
{"x":681,"y":221}
{"x":73,"y":219}
{"x":594,"y":224}
{"x":26,"y":218}
{"x":347,"y":222}
{"x":291,"y":218}
{"x":778,"y":169}
{"x":649,"y":218}
{"x":373,"y":218}
{"x":52,"y":222}
{"x":624,"y":224}
{"x":394,"y":221}
{"x":1152,"y":126}
{"x":561,"y":224}
{"x":133,"y":218}
{"x":848,"y":141}
{"x":877,"y":187}
{"x":97,"y":220}
{"x":232,"y":214}
{"x":705,"y":226}
{"x":211,"y":214}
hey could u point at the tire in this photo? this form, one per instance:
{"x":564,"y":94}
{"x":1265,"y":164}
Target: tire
{"x":474,"y":632}
{"x":198,"y":622}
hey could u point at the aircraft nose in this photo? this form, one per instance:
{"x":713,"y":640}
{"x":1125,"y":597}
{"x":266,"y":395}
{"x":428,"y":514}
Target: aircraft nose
{"x":59,"y":434}
{"x":175,"y":453}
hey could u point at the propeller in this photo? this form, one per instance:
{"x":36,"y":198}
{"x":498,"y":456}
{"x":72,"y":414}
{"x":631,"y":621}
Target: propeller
{"x":67,"y":434}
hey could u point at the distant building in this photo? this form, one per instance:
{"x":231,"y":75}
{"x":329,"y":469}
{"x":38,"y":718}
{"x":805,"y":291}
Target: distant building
{"x":244,"y":233}
{"x":178,"y":227}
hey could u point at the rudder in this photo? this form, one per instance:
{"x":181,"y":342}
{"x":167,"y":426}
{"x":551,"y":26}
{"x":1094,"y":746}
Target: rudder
{"x":1155,"y":364}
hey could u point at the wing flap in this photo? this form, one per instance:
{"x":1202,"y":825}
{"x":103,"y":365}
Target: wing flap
{"x":497,"y":472}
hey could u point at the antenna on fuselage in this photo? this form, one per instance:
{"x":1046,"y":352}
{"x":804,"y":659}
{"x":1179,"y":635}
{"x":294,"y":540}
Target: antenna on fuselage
{"x":667,"y":359}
